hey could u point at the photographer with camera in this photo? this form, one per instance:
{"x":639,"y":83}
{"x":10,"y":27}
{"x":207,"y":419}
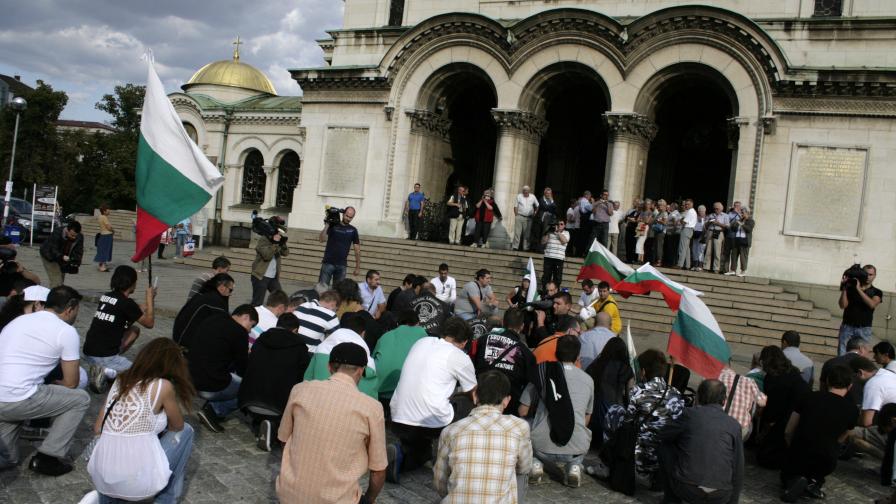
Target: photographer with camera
{"x":858,"y":299}
{"x":554,"y":241}
{"x":270,"y":248}
{"x":340,"y":236}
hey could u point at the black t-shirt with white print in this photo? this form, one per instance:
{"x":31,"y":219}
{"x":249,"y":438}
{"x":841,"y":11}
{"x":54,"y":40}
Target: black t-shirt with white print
{"x":113,"y":317}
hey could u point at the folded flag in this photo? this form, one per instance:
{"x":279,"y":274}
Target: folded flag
{"x":174,"y":178}
{"x":696,"y":339}
{"x":632,"y":353}
{"x":533,"y":282}
{"x":647,"y":279}
{"x":601,"y":265}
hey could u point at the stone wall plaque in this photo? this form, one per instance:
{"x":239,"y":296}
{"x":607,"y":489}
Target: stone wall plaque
{"x":826,"y":192}
{"x":345,"y":162}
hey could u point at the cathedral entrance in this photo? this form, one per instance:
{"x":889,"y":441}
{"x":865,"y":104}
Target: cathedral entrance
{"x":691,"y":156}
{"x":573,"y":151}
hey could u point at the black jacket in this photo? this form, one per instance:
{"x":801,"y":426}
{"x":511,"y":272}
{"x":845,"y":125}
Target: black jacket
{"x":278,"y":361}
{"x":53,"y":248}
{"x":197,"y":309}
{"x":220,"y":346}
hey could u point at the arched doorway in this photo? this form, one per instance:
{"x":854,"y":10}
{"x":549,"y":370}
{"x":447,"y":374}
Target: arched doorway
{"x":461,"y":96}
{"x":287,"y":179}
{"x":254,"y":178}
{"x":690,"y":157}
{"x":572,"y":154}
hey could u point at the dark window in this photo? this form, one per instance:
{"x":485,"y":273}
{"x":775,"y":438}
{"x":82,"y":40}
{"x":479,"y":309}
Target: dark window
{"x":191,"y":132}
{"x":828,"y":8}
{"x":396,"y":13}
{"x":253,"y":179}
{"x":287,"y":179}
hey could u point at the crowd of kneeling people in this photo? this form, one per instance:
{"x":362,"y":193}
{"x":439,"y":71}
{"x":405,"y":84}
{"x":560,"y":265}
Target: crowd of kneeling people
{"x":330,"y":372}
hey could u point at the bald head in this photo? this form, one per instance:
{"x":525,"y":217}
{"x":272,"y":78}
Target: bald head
{"x":604,"y":320}
{"x":711,"y":392}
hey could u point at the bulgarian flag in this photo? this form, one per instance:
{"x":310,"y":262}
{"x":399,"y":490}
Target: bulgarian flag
{"x":696,"y":339}
{"x":647,"y":279}
{"x":601,"y":265}
{"x":174,"y":178}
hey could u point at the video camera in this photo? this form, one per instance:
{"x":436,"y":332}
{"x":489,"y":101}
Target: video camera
{"x":550,"y":223}
{"x":332,"y":215}
{"x":269,"y":227}
{"x":540,"y":305}
{"x":855,"y":275}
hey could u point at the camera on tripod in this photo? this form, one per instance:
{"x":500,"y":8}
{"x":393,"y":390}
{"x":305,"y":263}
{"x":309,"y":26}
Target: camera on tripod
{"x":855,"y":275}
{"x":270,"y":227}
{"x":332,"y":215}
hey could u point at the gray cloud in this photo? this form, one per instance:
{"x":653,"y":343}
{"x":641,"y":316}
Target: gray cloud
{"x":86,"y":47}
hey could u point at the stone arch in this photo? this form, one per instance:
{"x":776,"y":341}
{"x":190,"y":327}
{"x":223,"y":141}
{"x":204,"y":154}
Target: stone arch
{"x":244,"y":144}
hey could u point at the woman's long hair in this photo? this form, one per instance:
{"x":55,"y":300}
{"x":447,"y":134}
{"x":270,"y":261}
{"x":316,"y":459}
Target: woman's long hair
{"x":774,"y":362}
{"x":614,"y":351}
{"x":160,"y":358}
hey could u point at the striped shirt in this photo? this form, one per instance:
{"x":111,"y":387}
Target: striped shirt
{"x":315,"y":323}
{"x":553,"y":249}
{"x":480,"y":456}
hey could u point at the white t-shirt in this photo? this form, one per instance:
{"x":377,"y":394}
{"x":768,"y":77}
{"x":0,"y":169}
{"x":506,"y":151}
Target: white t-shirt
{"x":266,"y":320}
{"x":430,"y":373}
{"x":526,"y":205}
{"x":271,"y":272}
{"x":690,"y":218}
{"x":447,"y":291}
{"x":614,"y":221}
{"x":879,"y":390}
{"x":30,"y":347}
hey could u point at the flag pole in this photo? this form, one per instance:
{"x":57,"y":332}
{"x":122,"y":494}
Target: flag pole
{"x":149,"y":269}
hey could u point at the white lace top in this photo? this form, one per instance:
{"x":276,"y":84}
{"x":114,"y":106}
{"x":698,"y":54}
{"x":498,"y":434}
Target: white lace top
{"x":128,"y":461}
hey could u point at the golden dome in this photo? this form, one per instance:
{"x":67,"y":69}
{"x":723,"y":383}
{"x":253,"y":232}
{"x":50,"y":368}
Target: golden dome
{"x":232,"y":73}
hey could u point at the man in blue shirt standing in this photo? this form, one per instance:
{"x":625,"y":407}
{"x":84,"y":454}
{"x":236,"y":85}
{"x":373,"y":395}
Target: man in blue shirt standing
{"x":413,"y":208}
{"x":339,"y":240}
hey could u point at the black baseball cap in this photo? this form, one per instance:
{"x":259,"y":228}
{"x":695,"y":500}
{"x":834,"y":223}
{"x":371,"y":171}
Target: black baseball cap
{"x":348,"y":353}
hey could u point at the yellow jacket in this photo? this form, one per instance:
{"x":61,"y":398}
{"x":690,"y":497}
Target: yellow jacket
{"x":609,"y":305}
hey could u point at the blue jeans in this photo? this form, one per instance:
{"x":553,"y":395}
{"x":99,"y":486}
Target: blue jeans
{"x":177,"y":446}
{"x":224,"y":401}
{"x":179,"y":241}
{"x":848,"y":331}
{"x":558,"y":461}
{"x":331,"y":272}
{"x":116,"y":362}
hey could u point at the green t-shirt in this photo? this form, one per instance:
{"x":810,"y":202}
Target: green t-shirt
{"x":389,"y":355}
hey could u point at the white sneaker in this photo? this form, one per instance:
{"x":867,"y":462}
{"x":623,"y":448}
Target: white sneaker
{"x":599,"y":470}
{"x":574,"y":476}
{"x":728,"y":273}
{"x":536,"y":475}
{"x":742,"y":274}
{"x":264,"y":436}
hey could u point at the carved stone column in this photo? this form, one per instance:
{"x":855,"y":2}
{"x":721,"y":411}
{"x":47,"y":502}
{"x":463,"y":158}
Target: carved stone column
{"x":270,"y":187}
{"x":516,"y":159}
{"x":629,"y":135}
{"x":429,"y":145}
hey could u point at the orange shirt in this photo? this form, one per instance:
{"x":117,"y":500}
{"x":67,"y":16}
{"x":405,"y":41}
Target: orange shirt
{"x":546,"y":351}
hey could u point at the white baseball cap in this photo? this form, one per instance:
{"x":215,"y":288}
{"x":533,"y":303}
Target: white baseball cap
{"x":36,"y":293}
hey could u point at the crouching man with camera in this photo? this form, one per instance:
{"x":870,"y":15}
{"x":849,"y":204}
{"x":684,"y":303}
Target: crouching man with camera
{"x":340,"y":236}
{"x":266,"y":267}
{"x":858,"y":299}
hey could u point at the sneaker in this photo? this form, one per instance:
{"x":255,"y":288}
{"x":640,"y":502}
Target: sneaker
{"x":573,"y":476}
{"x":813,"y":489}
{"x":536,"y":475}
{"x":395,"y":458}
{"x":264,"y":436}
{"x":728,"y":273}
{"x":742,"y":274}
{"x":599,"y":470}
{"x":209,"y":418}
{"x":96,"y":379}
{"x":49,"y":466}
{"x":794,"y":490}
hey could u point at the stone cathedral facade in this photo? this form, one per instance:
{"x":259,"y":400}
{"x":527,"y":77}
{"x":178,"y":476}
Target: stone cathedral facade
{"x":788,"y":106}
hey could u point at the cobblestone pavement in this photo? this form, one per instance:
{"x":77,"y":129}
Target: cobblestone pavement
{"x":227,"y":467}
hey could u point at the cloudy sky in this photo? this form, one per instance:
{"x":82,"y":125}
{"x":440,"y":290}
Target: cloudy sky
{"x":86,"y":47}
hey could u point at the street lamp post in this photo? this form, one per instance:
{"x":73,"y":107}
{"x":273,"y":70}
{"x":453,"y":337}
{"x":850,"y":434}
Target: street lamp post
{"x":18,"y":104}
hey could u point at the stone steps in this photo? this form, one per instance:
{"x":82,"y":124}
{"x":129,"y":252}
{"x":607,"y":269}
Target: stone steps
{"x":122,"y":222}
{"x":749,"y":310}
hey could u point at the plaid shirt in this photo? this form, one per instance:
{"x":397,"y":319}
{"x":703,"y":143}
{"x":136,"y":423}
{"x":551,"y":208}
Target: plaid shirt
{"x":480,"y":456}
{"x":745,"y":397}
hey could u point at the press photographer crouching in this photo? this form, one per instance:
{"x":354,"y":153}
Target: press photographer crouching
{"x":270,"y":248}
{"x":858,"y":299}
{"x":340,"y":236}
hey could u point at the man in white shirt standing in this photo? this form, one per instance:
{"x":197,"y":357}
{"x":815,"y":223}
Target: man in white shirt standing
{"x":31,"y":346}
{"x":524,"y":209}
{"x":446,"y":286}
{"x":424,"y":402}
{"x":689,"y":220}
{"x":372,"y":294}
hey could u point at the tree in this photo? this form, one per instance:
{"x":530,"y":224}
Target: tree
{"x":124,"y":106}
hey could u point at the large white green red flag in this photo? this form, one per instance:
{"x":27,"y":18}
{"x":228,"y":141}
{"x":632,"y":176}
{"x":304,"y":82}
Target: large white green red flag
{"x":696,"y":339}
{"x":174,"y":178}
{"x":647,"y":279}
{"x":603,"y":266}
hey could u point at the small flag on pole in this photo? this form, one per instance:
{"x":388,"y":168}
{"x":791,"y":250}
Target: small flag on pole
{"x":696,"y":339}
{"x":632,"y":353}
{"x":174,"y":178}
{"x":533,"y":283}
